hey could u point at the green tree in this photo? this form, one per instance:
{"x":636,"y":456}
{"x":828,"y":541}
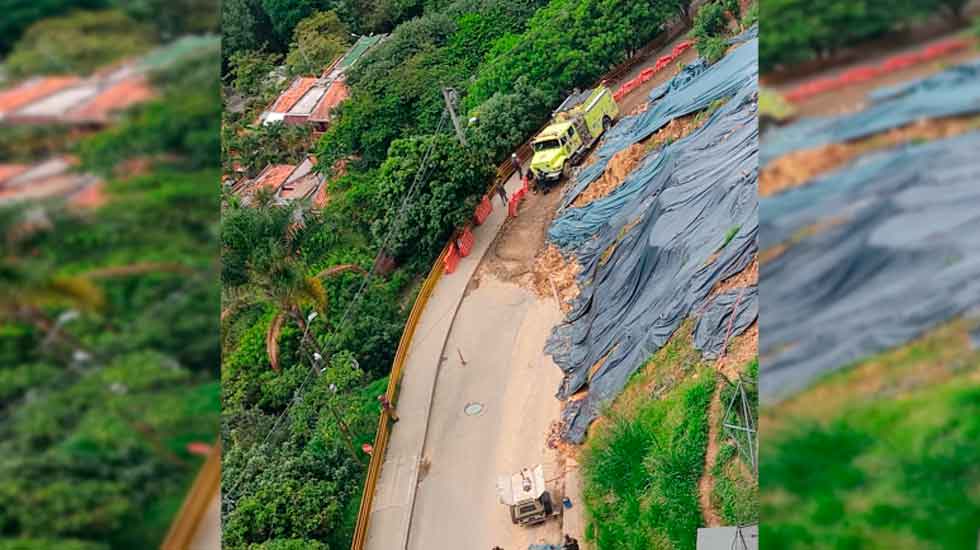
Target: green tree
{"x":173,"y":18}
{"x":255,"y":147}
{"x":505,"y":120}
{"x":262,"y":263}
{"x":250,"y":70}
{"x":18,"y":15}
{"x":446,"y":189}
{"x":317,"y":41}
{"x":77,"y":43}
{"x":246,"y":27}
{"x":285,"y":15}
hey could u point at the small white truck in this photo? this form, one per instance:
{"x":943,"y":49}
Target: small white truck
{"x":526,"y":495}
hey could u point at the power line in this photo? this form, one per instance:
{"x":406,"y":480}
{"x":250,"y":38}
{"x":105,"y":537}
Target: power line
{"x":419,"y":176}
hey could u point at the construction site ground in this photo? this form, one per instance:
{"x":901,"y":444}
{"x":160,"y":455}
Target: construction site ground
{"x":477,"y":399}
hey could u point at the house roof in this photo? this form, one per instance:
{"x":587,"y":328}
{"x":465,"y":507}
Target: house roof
{"x":56,"y":105}
{"x":294,"y":93}
{"x":114,"y":98}
{"x":308,"y":102}
{"x":33,"y":90}
{"x":8,"y":171}
{"x":90,"y":196}
{"x":56,"y":186}
{"x":302,"y":182}
{"x":272,"y":177}
{"x":335,"y":95}
{"x":359,"y":48}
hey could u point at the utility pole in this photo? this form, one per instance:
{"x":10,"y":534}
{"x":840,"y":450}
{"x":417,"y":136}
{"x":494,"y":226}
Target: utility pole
{"x":452,"y":99}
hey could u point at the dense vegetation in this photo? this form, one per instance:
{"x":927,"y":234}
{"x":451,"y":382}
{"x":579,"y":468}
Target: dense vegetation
{"x":713,"y":25}
{"x":796,"y":32}
{"x":642,"y":466}
{"x":77,"y":43}
{"x":400,"y":184}
{"x":643,"y":463}
{"x":64,"y":36}
{"x":882,"y":455}
{"x":108,"y":349}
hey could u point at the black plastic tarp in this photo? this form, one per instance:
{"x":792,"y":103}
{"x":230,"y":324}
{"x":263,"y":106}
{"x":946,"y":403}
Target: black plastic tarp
{"x":955,"y":91}
{"x":879,"y":252}
{"x":686,"y":221}
{"x":695,"y":88}
{"x":725,"y":316}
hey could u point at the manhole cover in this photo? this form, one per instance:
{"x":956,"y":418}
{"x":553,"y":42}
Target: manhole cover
{"x":473,"y":409}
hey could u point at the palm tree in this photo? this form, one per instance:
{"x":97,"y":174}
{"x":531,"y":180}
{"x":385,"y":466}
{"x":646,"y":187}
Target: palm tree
{"x":262,"y":262}
{"x":31,"y":287}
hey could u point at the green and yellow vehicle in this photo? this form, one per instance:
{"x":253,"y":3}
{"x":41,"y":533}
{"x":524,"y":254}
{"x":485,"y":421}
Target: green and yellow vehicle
{"x":575,"y":125}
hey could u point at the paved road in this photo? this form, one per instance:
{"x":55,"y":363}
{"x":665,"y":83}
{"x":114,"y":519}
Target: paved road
{"x":499,"y":331}
{"x":394,"y":496}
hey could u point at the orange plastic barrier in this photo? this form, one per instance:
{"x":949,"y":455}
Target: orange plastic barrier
{"x":451,"y":260}
{"x":681,"y":47}
{"x":868,"y":72}
{"x":646,"y":74}
{"x":483,"y":210}
{"x":515,"y":201}
{"x":466,"y":241}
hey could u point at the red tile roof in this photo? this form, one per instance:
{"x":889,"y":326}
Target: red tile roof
{"x":92,"y":196}
{"x":322,"y":196}
{"x":8,"y":171}
{"x":116,"y":97}
{"x":294,"y":93}
{"x":273,"y":176}
{"x":33,"y":90}
{"x":334,"y":96}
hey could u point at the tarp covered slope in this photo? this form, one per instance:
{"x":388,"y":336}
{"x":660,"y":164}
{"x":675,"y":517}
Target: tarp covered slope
{"x":683,"y":221}
{"x":693,"y":89}
{"x":955,"y":91}
{"x":896,"y":252}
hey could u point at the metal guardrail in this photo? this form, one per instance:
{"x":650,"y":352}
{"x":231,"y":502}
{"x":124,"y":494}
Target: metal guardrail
{"x":384,"y":432}
{"x":504,"y":171}
{"x":206,"y":486}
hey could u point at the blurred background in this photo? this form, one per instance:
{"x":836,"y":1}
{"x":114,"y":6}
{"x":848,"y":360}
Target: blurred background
{"x":869,"y":218}
{"x":109,"y":297}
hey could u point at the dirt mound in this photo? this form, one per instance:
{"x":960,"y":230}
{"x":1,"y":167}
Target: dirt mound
{"x":512,"y":256}
{"x":747,"y":277}
{"x":554,"y":275}
{"x":623,"y":162}
{"x":799,"y":167}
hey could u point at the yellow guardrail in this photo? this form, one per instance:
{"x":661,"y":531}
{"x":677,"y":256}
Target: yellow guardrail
{"x":206,"y":487}
{"x":398,"y":365}
{"x":504,"y":171}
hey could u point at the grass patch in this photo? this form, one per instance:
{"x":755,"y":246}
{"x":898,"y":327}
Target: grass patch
{"x":642,"y":472}
{"x":642,"y":464}
{"x":736,"y":490}
{"x":891,"y":461}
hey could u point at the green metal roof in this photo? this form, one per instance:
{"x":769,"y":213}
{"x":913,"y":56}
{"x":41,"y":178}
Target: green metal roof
{"x":362,"y":45}
{"x":168,"y":54}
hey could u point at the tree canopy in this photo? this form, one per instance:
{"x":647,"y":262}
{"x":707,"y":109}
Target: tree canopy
{"x":79,"y":42}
